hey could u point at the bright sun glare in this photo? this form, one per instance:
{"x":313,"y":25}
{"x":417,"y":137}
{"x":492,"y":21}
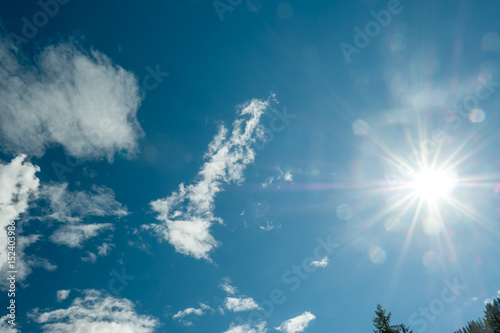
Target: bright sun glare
{"x":432,"y":185}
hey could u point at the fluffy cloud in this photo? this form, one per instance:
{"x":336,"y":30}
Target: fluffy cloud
{"x":261,"y":328}
{"x":5,"y":327}
{"x":68,"y":97}
{"x":320,"y":263}
{"x":62,"y":294}
{"x":240,"y":304}
{"x":75,"y":235}
{"x":67,"y":206}
{"x":297,"y":324}
{"x":18,"y":183}
{"x":96,"y":313}
{"x":187,"y":214}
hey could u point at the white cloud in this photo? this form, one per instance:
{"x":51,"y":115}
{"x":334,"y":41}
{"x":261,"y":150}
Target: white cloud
{"x":286,"y":176}
{"x":261,"y":328}
{"x":269,"y":226}
{"x":297,"y":324}
{"x":190,"y":312}
{"x":96,"y":313}
{"x":320,"y":263}
{"x":488,"y":301}
{"x":104,"y":249}
{"x":18,"y":183}
{"x":5,"y":327}
{"x":75,"y":235}
{"x":68,"y":97}
{"x":474,"y":299}
{"x":227,"y":287}
{"x":187,"y":214}
{"x":240,"y":304}
{"x":68,"y":206}
{"x":62,"y":294}
{"x":92,"y":257}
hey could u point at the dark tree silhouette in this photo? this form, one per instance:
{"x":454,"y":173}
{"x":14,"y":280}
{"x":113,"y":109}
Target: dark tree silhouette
{"x":382,"y":323}
{"x":475,"y":326}
{"x":492,"y":316}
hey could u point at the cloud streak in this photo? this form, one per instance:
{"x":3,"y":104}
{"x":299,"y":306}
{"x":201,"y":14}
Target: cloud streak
{"x":187,"y":215}
{"x":297,"y":324}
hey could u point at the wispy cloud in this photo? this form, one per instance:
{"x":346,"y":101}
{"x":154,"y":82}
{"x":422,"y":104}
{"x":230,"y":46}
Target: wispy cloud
{"x":227,"y":287}
{"x":73,"y":206}
{"x":187,"y":214}
{"x":75,"y":235}
{"x":190,"y":312}
{"x":282,"y":176}
{"x":36,"y":100}
{"x":95,"y":312}
{"x":236,"y":304}
{"x":297,"y":324}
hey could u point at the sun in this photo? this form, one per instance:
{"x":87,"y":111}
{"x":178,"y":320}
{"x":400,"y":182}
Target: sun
{"x":433,"y":185}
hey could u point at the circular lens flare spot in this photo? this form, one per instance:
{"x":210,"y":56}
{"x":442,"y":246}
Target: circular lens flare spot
{"x":477,"y":116}
{"x":377,"y":255}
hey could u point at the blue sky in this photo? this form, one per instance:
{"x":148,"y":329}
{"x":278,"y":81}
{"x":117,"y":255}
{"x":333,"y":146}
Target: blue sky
{"x":248,"y":166}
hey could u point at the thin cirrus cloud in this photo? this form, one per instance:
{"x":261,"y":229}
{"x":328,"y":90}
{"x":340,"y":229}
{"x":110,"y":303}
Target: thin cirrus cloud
{"x":95,"y":312}
{"x":72,"y":206}
{"x":187,"y":214}
{"x":75,"y":235}
{"x":297,"y":324}
{"x":68,"y":97}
